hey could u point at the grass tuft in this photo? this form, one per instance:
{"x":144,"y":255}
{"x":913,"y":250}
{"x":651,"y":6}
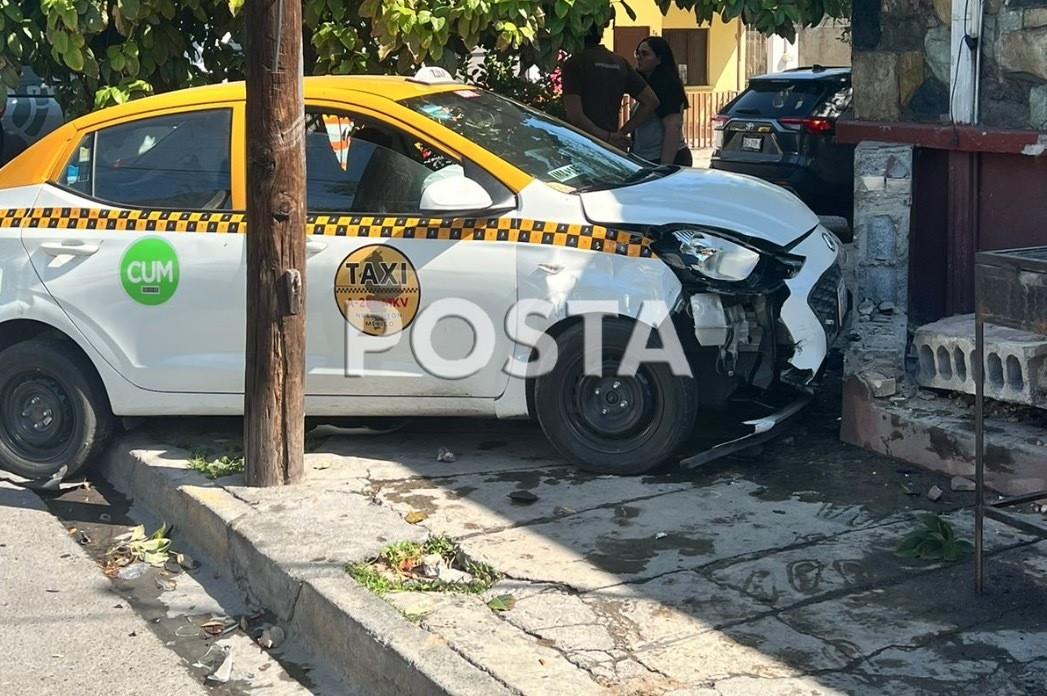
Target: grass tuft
{"x":397,"y":569}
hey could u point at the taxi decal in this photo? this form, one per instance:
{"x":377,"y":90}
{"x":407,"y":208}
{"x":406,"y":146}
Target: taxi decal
{"x":377,"y":290}
{"x":149,"y":271}
{"x":516,"y":230}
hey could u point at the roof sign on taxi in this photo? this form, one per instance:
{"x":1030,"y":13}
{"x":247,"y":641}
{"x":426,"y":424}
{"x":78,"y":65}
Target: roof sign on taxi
{"x":432,"y":75}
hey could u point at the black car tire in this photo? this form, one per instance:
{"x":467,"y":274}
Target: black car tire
{"x":584,"y":416}
{"x":53,"y":409}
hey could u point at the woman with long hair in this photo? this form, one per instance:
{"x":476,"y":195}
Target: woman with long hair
{"x":660,"y":138}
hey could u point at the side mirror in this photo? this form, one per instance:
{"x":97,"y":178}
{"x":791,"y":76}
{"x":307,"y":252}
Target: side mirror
{"x":454,"y":194}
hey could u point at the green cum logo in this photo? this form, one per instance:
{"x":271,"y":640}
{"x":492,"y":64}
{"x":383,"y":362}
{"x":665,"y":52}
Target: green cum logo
{"x":149,"y":271}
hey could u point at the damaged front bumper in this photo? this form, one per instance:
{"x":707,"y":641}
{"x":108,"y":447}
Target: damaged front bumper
{"x":776,"y":329}
{"x":754,"y":431}
{"x":759,"y":347}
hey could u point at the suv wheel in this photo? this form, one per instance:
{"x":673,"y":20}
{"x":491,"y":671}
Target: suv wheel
{"x":53,"y":409}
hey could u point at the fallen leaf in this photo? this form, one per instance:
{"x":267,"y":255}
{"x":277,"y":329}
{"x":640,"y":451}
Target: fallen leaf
{"x":416,"y":516}
{"x":503,"y":602}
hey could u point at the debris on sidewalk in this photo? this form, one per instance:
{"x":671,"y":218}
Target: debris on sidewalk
{"x":165,"y":584}
{"x":224,"y":671}
{"x":503,"y":602}
{"x":271,"y":637}
{"x":220,"y":625}
{"x":935,"y":494}
{"x":136,"y":546}
{"x":415,"y":516}
{"x":132,"y":571}
{"x":879,"y":384}
{"x":959,"y":483}
{"x":523,"y":497}
{"x":445,"y":456}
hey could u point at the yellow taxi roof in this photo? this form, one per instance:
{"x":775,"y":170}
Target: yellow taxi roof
{"x":391,"y":87}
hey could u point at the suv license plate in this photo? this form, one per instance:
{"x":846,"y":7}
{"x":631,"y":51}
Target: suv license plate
{"x":752,"y":143}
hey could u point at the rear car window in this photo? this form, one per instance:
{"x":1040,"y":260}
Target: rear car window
{"x":783,"y":98}
{"x":176,"y":161}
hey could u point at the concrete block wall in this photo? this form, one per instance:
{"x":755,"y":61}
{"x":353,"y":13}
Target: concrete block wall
{"x":1015,"y":361}
{"x":880,"y":267}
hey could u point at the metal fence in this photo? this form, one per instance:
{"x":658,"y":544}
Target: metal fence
{"x":697,"y":119}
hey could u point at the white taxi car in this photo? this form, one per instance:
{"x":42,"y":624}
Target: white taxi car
{"x":123,"y":274}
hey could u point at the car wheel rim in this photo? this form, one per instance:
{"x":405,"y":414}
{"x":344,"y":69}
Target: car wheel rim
{"x":612,"y":413}
{"x":37,"y":416}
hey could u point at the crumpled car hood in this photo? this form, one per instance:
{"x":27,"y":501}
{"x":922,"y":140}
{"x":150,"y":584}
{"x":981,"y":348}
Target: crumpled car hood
{"x":734,"y":202}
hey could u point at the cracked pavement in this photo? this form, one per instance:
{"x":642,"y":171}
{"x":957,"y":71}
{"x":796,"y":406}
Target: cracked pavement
{"x":769,"y":572}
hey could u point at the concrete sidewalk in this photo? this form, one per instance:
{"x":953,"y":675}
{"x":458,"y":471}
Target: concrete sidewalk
{"x":773,"y":573}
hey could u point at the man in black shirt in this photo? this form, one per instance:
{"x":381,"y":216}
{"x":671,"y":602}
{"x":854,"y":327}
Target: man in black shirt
{"x":594,"y":81}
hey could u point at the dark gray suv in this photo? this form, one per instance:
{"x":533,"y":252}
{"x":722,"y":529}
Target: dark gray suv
{"x":781,"y":129}
{"x":29,"y":112}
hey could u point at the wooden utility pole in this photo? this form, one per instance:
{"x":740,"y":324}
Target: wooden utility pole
{"x":274,"y":401}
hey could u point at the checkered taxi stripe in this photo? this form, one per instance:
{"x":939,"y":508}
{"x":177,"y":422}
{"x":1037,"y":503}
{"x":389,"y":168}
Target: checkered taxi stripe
{"x":586,"y":237}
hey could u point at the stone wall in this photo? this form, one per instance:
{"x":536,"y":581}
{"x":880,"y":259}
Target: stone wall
{"x":902,"y":61}
{"x":882,"y":204}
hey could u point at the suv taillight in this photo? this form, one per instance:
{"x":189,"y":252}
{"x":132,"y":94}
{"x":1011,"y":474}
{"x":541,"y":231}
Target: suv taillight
{"x":718,"y":123}
{"x":818,"y":126}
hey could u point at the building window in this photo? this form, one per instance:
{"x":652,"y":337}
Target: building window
{"x":691,"y":50}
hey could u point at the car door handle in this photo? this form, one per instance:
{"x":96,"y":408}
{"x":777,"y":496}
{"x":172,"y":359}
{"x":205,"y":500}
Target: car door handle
{"x":70,"y":248}
{"x":312,"y":247}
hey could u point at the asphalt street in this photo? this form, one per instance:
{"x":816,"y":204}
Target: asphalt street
{"x":62,"y":628}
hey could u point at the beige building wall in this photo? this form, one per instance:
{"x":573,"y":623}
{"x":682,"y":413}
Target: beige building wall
{"x":823,"y":45}
{"x":726,"y":46}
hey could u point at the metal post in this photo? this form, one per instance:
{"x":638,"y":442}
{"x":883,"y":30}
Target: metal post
{"x":979,"y":438}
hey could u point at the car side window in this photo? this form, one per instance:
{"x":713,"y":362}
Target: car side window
{"x":361,"y":166}
{"x":174,"y":161}
{"x":836,"y":102}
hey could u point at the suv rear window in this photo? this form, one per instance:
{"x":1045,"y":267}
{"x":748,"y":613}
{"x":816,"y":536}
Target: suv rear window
{"x":786,"y":98}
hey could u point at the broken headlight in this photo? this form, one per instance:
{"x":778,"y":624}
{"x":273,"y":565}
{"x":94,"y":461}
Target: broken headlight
{"x":715,"y":257}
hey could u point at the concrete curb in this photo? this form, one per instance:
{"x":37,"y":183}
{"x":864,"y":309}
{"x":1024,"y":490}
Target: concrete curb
{"x":358,"y":635}
{"x":1014,"y":463}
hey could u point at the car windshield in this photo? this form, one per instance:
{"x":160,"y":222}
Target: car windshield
{"x":547,"y":149}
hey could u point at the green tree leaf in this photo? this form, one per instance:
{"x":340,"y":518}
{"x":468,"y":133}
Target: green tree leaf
{"x":74,"y":58}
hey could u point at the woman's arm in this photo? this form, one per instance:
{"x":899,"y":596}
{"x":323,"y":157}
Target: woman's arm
{"x":671,"y":143}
